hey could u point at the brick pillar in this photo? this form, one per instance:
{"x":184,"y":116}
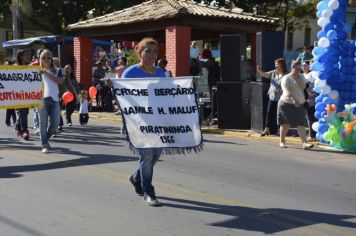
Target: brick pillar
{"x":161,"y":51}
{"x":177,"y":49}
{"x":83,"y":61}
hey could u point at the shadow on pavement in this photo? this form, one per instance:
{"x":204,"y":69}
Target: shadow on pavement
{"x":89,"y":159}
{"x":81,"y":137}
{"x":268,"y":221}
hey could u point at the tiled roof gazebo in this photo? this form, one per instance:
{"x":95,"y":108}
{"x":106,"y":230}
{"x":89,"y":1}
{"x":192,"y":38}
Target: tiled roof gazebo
{"x":172,"y":22}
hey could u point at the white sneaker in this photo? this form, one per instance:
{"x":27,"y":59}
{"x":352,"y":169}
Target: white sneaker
{"x":45,"y":150}
{"x":307,"y":146}
{"x":37,"y":131}
{"x":151,"y":201}
{"x":282,"y":145}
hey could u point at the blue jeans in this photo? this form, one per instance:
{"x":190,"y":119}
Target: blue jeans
{"x":36,"y":118}
{"x":21,"y":122}
{"x":50,"y":110}
{"x":144,"y":173}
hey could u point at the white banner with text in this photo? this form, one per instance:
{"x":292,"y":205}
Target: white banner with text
{"x":160,"y":113}
{"x":20,"y":87}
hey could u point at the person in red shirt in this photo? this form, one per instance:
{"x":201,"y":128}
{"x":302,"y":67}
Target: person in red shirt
{"x":121,"y":66}
{"x":205,"y":53}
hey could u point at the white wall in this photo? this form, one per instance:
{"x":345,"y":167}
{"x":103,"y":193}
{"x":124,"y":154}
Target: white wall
{"x":298,"y":35}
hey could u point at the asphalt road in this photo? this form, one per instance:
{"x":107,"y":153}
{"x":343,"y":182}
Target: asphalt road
{"x":236,"y":186}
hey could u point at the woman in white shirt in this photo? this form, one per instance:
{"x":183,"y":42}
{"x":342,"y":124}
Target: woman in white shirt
{"x":291,"y":110}
{"x":49,"y":113}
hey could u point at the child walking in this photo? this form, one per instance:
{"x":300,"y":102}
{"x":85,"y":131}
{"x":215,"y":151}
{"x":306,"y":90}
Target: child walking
{"x":84,"y":110}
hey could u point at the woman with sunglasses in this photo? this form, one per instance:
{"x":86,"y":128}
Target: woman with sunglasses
{"x":50,"y":112}
{"x":274,"y":93}
{"x":147,"y":51}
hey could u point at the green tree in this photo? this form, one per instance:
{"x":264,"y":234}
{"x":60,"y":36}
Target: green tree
{"x":54,"y":15}
{"x":286,"y":10}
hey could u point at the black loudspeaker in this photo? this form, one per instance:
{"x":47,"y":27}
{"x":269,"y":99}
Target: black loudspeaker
{"x":233,"y":105}
{"x":230,"y":58}
{"x":214,"y":106}
{"x":259,"y":103}
{"x":269,"y":47}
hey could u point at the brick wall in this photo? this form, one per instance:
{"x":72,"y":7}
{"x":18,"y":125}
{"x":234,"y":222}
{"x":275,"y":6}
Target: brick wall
{"x":177,"y":49}
{"x":161,"y":51}
{"x":83,"y":61}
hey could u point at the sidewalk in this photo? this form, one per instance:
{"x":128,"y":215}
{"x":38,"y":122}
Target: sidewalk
{"x":212,"y":130}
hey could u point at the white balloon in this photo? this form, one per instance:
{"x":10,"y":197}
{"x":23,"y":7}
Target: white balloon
{"x":334,"y":4}
{"x":322,"y":22}
{"x":334,"y":95}
{"x":324,"y":42}
{"x":326,"y":89}
{"x":315,"y":126}
{"x":315,"y":74}
{"x":320,"y":83}
{"x":327,"y":13}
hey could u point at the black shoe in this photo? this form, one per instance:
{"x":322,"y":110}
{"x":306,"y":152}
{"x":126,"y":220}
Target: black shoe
{"x":137,"y":186}
{"x":264,"y":134}
{"x":151,"y":201}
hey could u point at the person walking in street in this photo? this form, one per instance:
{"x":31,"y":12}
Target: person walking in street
{"x":310,"y":104}
{"x":10,"y":114}
{"x":291,"y":110}
{"x":21,"y":126}
{"x":84,"y":107}
{"x":36,"y":115}
{"x":274,"y":94}
{"x":49,"y":113}
{"x":147,"y":51}
{"x":71,"y":85}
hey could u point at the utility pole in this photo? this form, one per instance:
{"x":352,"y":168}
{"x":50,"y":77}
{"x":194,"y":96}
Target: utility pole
{"x":15,"y":11}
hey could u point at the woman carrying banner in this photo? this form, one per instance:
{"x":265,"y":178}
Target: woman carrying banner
{"x":51,"y":77}
{"x":21,"y":126}
{"x":147,"y":51}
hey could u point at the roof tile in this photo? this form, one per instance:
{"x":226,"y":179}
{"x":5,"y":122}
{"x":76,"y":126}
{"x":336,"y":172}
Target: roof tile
{"x":163,"y":9}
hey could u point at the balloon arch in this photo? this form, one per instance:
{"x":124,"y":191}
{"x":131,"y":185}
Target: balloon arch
{"x":334,"y":68}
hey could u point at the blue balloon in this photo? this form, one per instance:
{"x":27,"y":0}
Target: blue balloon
{"x":323,"y":113}
{"x":350,"y":63}
{"x":318,"y":51}
{"x":323,"y":58}
{"x":338,"y":26}
{"x":344,"y":3}
{"x":327,"y":100}
{"x":319,"y":14}
{"x":323,"y":128}
{"x":321,"y":34}
{"x":331,"y":35}
{"x":320,"y":106}
{"x":321,"y":6}
{"x":343,"y":61}
{"x":342,"y":35}
{"x":317,"y":114}
{"x":322,"y":121}
{"x":317,"y":89}
{"x":316,"y":66}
